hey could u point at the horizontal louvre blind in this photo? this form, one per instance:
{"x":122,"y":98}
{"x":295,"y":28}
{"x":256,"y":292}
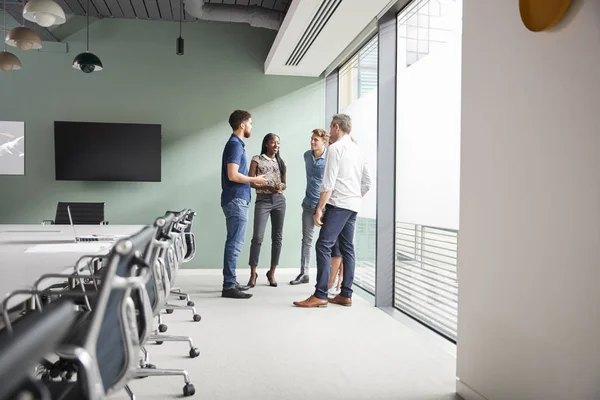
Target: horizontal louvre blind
{"x":426,"y":285}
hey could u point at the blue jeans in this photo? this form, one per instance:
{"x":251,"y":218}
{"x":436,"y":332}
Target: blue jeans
{"x":236,"y":219}
{"x":338,"y":225}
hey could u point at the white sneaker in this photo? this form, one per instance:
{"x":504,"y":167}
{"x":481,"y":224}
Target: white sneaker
{"x":333,"y":291}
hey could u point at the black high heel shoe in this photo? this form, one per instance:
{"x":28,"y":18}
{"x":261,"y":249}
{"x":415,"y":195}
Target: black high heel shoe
{"x":271,"y":283}
{"x":255,"y":278}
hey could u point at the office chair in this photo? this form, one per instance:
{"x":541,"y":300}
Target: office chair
{"x":154,"y":292}
{"x":33,"y":336}
{"x":82,"y":213}
{"x":103,"y":346}
{"x":157,"y":289}
{"x":187,"y":217}
{"x":173,"y":259}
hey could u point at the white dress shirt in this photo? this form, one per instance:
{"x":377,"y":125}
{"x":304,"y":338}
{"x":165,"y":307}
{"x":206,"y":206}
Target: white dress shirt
{"x":346,"y":174}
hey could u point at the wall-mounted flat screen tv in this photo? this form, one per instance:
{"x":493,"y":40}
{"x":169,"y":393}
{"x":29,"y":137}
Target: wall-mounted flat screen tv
{"x":94,"y":151}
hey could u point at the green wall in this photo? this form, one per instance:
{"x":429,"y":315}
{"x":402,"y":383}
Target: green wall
{"x":191,"y":96}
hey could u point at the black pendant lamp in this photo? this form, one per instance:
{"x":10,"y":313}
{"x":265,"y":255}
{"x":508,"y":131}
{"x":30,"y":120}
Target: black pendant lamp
{"x":87,"y":62}
{"x":179,"y":48}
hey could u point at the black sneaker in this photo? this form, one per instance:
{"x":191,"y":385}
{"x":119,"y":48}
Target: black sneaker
{"x":302,"y":278}
{"x":235,"y":293}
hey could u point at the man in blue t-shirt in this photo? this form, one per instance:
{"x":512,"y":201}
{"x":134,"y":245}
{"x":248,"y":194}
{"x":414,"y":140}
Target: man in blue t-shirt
{"x":314,"y":162}
{"x":235,"y":199}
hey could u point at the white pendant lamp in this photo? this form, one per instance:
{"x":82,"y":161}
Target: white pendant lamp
{"x":44,"y":13}
{"x":8,"y":61}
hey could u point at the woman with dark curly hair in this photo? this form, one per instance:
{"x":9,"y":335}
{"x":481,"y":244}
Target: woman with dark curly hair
{"x":270,"y":201}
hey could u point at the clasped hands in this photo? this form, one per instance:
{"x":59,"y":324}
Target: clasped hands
{"x":273,"y":188}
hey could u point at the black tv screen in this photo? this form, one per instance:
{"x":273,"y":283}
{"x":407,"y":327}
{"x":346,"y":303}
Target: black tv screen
{"x":92,"y":151}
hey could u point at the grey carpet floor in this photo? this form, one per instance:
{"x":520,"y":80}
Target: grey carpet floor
{"x":265,"y":348}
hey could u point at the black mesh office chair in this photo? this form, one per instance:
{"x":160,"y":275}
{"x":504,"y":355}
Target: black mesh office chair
{"x":104,"y":346}
{"x":186,"y":219}
{"x":33,"y":336}
{"x":83,"y":213}
{"x":157,"y":287}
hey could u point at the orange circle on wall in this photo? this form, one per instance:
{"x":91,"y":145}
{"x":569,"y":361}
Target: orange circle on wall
{"x":540,"y":15}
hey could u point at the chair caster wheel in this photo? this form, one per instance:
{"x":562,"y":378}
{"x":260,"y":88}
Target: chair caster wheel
{"x":194,"y":352}
{"x":162,"y":328}
{"x":169,"y":311}
{"x":182,"y":297}
{"x":189,"y":390}
{"x":159,"y":342}
{"x":191,"y":304}
{"x":197,"y":317}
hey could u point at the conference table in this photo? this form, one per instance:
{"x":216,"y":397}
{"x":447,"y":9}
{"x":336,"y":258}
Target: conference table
{"x":28,"y":251}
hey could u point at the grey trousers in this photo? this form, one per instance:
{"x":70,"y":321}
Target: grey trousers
{"x":308,"y":228}
{"x":268,"y":205}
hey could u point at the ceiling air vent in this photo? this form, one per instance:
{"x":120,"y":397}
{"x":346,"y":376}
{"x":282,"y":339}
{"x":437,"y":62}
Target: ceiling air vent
{"x":312,"y":31}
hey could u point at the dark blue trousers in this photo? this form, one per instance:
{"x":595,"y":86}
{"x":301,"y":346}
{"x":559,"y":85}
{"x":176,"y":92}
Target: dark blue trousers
{"x":338,"y":225}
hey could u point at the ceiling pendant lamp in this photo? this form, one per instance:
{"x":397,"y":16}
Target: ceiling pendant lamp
{"x":23,"y":38}
{"x":87,"y":62}
{"x":44,"y":13}
{"x":179,"y":44}
{"x":8,"y":61}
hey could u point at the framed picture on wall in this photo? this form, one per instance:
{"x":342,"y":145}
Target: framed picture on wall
{"x":12,"y":148}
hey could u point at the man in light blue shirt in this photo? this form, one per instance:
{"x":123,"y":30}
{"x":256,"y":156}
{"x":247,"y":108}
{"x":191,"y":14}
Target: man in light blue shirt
{"x":314,"y":161}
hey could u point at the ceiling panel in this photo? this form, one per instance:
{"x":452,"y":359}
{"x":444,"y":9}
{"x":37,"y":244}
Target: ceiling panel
{"x":158,"y":10}
{"x":101,"y":6}
{"x":152,"y":8}
{"x":114,"y":8}
{"x":140,"y":8}
{"x":166,"y":13}
{"x":75,"y":7}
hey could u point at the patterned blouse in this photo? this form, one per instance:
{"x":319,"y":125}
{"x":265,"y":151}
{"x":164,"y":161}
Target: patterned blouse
{"x":270,"y":169}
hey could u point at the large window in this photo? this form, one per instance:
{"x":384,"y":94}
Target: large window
{"x":427,"y":162}
{"x":358,"y":98}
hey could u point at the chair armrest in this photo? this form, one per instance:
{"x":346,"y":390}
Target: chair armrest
{"x":83,"y":293}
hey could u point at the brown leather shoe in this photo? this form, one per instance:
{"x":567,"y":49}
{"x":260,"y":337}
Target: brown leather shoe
{"x":341,"y":300}
{"x":312,"y":301}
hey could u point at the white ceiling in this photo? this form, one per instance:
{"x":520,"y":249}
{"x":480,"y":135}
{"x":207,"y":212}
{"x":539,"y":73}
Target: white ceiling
{"x":346,"y":23}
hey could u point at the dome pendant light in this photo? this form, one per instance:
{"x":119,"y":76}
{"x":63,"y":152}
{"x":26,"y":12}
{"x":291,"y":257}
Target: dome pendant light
{"x":179,"y":44}
{"x":87,"y":62}
{"x":8,"y":61}
{"x":23,"y":38}
{"x":44,"y":13}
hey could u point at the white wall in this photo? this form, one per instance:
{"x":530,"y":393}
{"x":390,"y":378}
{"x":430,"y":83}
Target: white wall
{"x":428,"y":131}
{"x":529,"y":244}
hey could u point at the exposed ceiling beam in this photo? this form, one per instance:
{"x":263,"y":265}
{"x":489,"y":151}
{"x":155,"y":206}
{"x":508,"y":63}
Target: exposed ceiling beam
{"x":74,"y":24}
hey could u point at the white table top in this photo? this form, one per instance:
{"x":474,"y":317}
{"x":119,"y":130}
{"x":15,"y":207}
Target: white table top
{"x":20,"y":269}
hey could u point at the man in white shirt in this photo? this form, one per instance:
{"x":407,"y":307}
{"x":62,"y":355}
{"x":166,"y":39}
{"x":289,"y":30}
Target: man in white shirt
{"x":345,"y":181}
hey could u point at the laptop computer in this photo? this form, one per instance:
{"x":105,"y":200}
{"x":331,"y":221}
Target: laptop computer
{"x":89,"y":238}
